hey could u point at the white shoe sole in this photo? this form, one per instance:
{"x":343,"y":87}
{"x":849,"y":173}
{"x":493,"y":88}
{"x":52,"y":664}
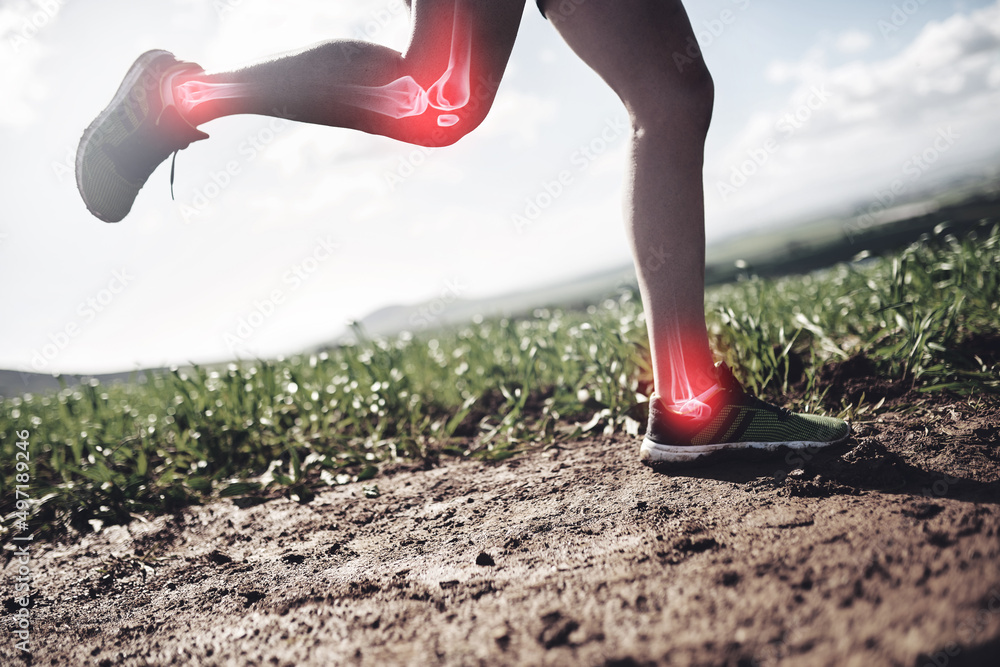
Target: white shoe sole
{"x":654,"y":452}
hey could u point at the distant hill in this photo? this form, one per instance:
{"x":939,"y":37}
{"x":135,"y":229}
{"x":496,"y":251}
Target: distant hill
{"x":16,"y":383}
{"x":780,"y":250}
{"x":449,"y":311}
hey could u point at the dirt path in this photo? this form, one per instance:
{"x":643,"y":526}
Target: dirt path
{"x":885,"y":552}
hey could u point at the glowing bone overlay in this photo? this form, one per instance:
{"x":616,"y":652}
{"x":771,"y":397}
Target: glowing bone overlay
{"x":404,"y":97}
{"x":190,"y":94}
{"x":398,"y":99}
{"x":682,"y":398}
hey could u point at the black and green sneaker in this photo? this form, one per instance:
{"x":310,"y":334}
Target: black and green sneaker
{"x":738,"y":421}
{"x":135,"y":133}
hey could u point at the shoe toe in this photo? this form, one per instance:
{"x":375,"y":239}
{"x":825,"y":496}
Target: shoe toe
{"x":828,"y":429}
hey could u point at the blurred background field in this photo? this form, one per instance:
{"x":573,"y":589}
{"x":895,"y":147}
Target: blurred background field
{"x":852,"y":186}
{"x":439,"y":422}
{"x":923,"y":316}
{"x":826,"y":119}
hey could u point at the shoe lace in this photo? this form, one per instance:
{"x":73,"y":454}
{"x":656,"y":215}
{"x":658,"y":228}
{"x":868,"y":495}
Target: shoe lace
{"x":173,"y":162}
{"x":173,"y":159}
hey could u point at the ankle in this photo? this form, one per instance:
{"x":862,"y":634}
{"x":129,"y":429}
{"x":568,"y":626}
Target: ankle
{"x":174,"y":93}
{"x":197,"y":99}
{"x":694,"y":406}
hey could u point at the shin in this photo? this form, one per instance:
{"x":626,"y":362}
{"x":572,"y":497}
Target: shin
{"x":189,"y":95}
{"x":684,"y":394}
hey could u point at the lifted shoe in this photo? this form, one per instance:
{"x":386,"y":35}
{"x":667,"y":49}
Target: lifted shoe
{"x":137,"y":131}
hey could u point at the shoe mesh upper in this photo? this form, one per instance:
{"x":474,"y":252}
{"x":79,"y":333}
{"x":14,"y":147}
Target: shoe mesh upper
{"x":130,"y":138}
{"x":739,"y":417}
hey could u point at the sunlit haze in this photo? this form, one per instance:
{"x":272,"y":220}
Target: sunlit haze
{"x":819,"y":107}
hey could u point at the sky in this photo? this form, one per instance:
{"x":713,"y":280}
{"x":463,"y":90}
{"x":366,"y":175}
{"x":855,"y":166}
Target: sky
{"x":280,"y":232}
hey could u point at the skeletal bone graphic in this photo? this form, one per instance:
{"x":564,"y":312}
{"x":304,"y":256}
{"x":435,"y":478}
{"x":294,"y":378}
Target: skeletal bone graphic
{"x":682,"y":398}
{"x":404,"y":97}
{"x":190,"y":94}
{"x":401,"y":98}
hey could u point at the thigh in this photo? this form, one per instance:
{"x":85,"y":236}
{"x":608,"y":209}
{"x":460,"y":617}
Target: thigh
{"x":492,"y":26}
{"x":636,"y":46}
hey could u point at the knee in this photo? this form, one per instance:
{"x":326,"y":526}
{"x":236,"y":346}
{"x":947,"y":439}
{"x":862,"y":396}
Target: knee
{"x":444,"y":128}
{"x":673,"y":99}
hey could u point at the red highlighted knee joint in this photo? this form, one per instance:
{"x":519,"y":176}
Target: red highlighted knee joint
{"x":404,"y":97}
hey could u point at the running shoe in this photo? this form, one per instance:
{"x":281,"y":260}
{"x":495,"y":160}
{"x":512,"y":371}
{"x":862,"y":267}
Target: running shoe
{"x":738,"y":421}
{"x":132,"y":136}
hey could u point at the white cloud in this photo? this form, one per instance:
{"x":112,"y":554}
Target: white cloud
{"x":254,"y":29}
{"x":845,"y":130}
{"x":518,"y":117}
{"x":853,"y":42}
{"x":810,"y":66}
{"x":22,"y":23}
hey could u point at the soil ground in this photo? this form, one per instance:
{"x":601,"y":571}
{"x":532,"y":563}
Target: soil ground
{"x":885,"y":551}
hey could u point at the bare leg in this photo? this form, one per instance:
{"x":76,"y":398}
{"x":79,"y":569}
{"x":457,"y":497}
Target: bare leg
{"x":450,"y":70}
{"x":631,"y":45}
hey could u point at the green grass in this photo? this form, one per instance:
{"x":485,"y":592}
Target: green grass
{"x":490,"y":389}
{"x":915,"y":314}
